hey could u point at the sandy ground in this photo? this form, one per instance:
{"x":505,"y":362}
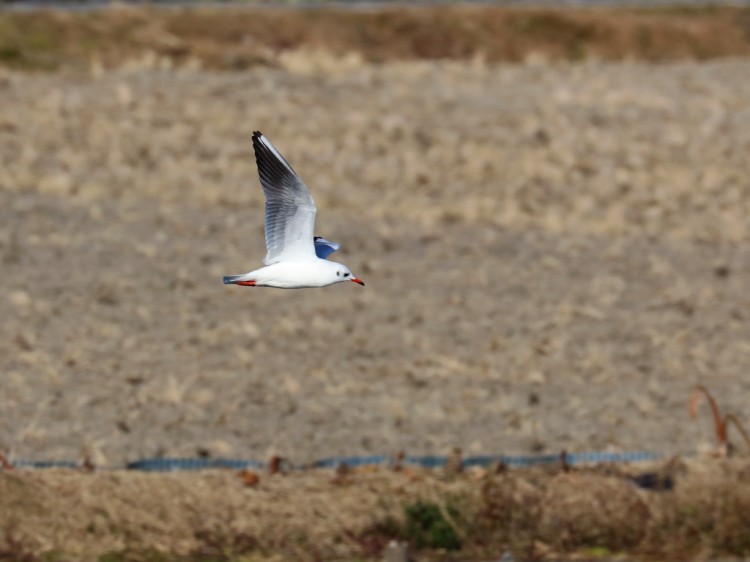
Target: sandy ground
{"x":554,"y":256}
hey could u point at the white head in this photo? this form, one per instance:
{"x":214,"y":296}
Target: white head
{"x":343,"y":274}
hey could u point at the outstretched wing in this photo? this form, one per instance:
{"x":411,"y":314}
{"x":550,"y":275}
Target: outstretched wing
{"x":324,"y":248}
{"x":290,"y":209}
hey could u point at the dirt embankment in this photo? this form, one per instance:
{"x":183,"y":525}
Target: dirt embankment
{"x":233,"y":38}
{"x":474,"y":515}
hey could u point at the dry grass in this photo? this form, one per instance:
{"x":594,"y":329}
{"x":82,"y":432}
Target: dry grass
{"x":239,"y":38}
{"x":536,"y":514}
{"x":554,"y":255}
{"x":721,"y":422}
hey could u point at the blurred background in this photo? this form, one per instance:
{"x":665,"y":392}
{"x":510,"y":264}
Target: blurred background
{"x":549,"y":207}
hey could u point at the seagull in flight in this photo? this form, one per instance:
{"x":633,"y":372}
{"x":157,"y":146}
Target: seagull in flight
{"x":295,"y":259}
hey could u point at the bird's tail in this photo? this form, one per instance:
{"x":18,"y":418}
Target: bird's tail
{"x":234,"y":279}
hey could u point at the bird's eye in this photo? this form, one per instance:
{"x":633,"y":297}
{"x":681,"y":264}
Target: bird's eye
{"x":338,"y":273}
{"x":346,"y":275}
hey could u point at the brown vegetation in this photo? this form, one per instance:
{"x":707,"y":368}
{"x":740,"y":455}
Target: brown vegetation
{"x":721,"y":423}
{"x":233,"y":38}
{"x":536,"y":514}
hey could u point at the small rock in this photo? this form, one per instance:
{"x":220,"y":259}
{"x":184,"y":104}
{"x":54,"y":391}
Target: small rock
{"x":25,"y":341}
{"x":396,"y":552}
{"x":249,"y":478}
{"x":537,"y":377}
{"x":21,"y":299}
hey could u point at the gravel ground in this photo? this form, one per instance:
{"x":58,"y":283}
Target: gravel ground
{"x":554,"y":256}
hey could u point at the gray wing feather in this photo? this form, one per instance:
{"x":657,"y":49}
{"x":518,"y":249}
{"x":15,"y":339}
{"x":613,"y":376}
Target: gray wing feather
{"x":290,"y":209}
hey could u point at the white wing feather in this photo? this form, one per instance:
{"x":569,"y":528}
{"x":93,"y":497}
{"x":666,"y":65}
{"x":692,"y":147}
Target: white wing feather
{"x":290,"y":209}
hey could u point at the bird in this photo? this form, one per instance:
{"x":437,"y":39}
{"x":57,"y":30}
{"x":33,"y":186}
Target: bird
{"x":295,"y":258}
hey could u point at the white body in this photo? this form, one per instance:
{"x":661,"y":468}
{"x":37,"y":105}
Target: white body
{"x":298,"y":274}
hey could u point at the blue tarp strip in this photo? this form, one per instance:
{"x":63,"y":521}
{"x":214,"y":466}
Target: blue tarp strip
{"x":427,"y":461}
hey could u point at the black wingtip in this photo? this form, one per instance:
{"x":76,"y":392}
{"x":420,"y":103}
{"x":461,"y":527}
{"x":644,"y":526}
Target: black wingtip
{"x":258,"y":144}
{"x":272,"y":166}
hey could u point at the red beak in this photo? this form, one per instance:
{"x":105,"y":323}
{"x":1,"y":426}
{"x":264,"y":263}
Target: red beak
{"x":355,"y":280}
